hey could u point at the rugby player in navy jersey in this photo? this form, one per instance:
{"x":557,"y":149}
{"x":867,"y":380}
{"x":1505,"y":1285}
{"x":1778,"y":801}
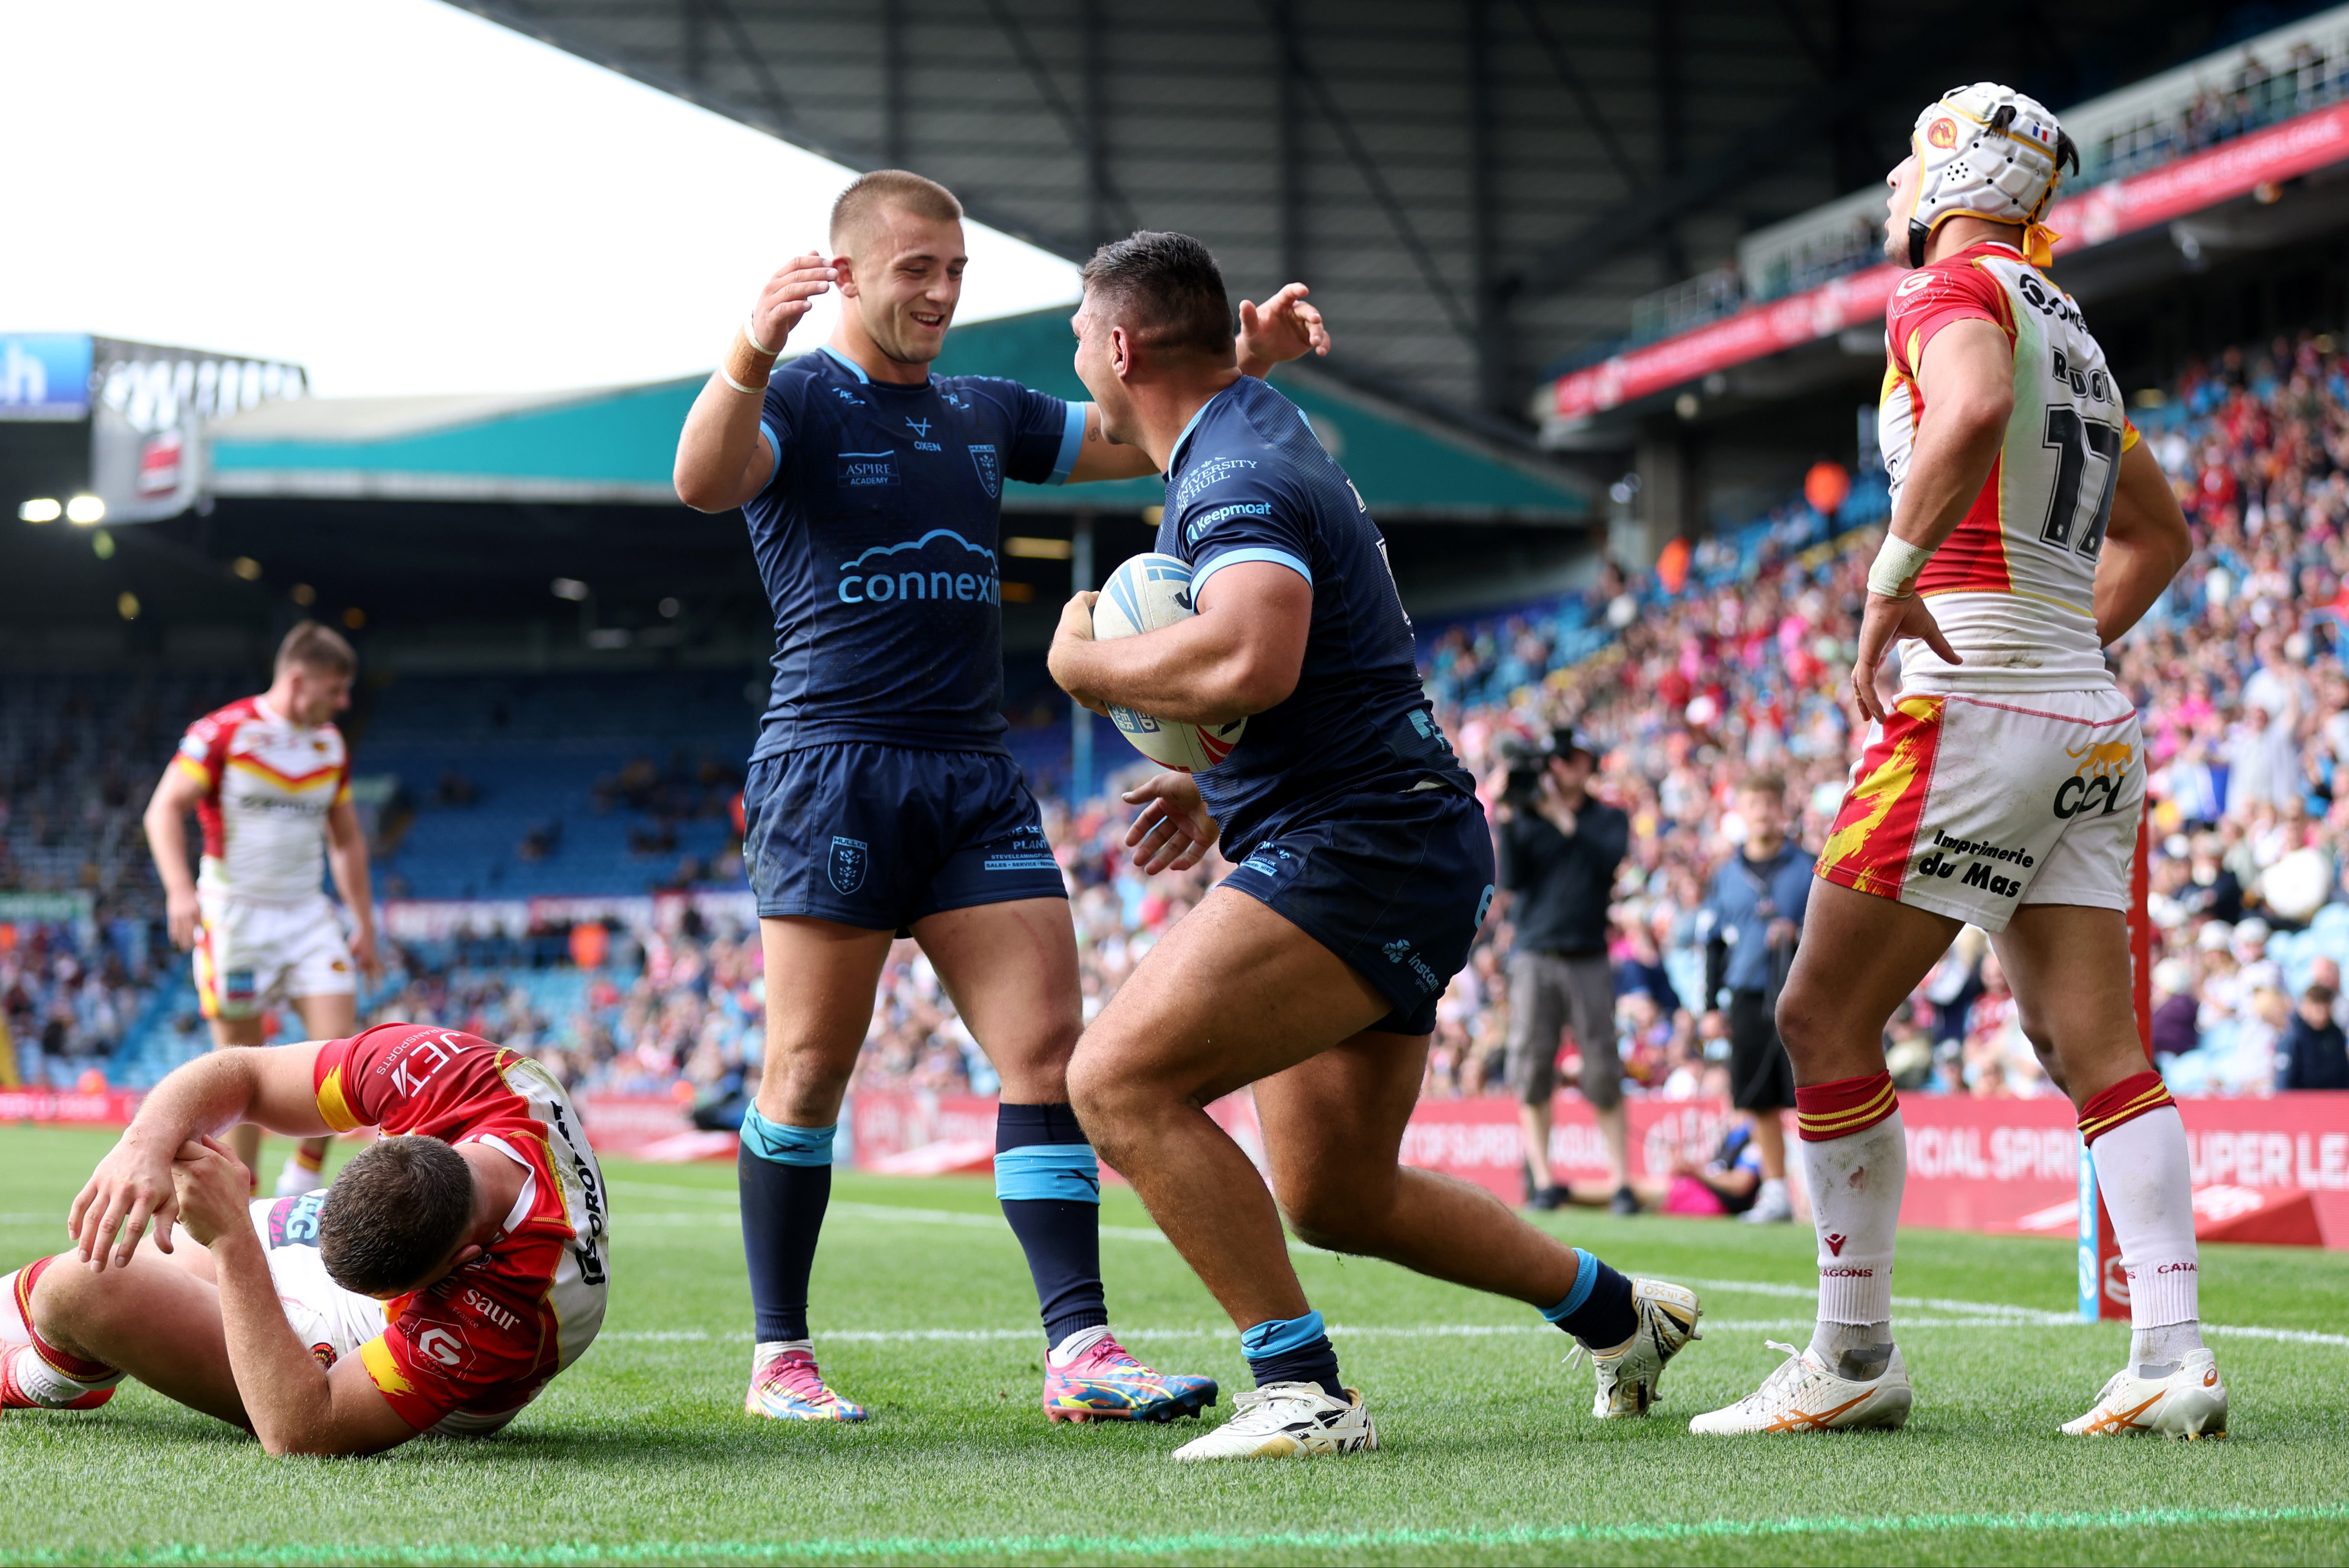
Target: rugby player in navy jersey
{"x":881,"y":798}
{"x":1365,"y":868}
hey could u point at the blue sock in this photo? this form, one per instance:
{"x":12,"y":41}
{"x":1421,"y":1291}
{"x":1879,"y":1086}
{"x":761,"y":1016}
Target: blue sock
{"x":1293,"y":1350}
{"x":1050,"y":1185}
{"x":786,"y":1179}
{"x":1597,"y":1310}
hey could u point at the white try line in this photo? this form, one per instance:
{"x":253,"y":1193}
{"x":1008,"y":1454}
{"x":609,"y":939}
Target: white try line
{"x":1963,"y":1314}
{"x":1336,"y":1331}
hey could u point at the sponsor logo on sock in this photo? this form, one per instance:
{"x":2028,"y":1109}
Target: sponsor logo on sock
{"x":1847,"y":1273}
{"x":1834,"y":1244}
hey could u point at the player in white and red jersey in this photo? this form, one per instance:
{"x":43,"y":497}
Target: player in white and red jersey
{"x":270,"y":781}
{"x":2002,"y":784}
{"x":450,"y":1270}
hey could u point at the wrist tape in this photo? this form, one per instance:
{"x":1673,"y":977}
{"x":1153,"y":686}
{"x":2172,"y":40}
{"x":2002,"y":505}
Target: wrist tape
{"x":746,"y":366}
{"x":1894,"y":574}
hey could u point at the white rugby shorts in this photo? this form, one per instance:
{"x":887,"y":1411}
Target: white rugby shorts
{"x":329,"y":1319}
{"x":251,"y":955}
{"x":1971,"y":807}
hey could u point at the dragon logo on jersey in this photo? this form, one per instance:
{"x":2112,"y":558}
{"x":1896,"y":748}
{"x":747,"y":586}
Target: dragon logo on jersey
{"x":990,"y":472}
{"x":850,"y":857}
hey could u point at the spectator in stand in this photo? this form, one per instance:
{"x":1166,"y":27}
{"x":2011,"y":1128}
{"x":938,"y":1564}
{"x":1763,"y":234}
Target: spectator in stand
{"x":2314,"y":1052}
{"x":1755,"y":908}
{"x":1558,"y":850}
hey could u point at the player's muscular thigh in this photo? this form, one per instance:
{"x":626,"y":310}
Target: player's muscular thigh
{"x":1011,"y":969}
{"x":821,"y":977}
{"x":1859,"y":955}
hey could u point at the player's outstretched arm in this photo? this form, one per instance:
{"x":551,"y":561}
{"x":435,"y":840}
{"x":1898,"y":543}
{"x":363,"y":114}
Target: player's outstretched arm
{"x":270,"y":1085}
{"x":2146,"y":543}
{"x":295,"y":1406}
{"x":1240,"y":654}
{"x":167,"y":837}
{"x":722,"y":458}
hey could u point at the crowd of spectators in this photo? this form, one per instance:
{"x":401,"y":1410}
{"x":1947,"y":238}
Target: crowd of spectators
{"x":1726,"y":663}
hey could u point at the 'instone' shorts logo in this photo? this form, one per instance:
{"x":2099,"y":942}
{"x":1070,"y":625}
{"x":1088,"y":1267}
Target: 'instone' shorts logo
{"x":849,"y":858}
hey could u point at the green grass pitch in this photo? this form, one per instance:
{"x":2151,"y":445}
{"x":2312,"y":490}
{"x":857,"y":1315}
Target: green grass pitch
{"x":641,"y":1454}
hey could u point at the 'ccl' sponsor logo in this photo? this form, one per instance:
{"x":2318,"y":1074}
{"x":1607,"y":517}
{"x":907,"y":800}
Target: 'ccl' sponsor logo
{"x":875,"y":578}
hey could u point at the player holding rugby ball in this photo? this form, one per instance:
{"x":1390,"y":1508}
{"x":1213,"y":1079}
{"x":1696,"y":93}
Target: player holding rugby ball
{"x":1366,"y":867}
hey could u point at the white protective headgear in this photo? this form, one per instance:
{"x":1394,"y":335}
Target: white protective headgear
{"x":1989,"y":151}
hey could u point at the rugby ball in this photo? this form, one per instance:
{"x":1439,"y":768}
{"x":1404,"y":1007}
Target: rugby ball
{"x":1144,"y":594}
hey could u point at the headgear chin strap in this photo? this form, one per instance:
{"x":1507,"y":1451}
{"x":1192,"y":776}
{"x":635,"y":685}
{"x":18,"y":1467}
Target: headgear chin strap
{"x":1987,"y":152}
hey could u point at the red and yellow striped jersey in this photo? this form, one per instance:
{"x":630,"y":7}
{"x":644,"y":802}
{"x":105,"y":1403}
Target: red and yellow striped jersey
{"x":463,"y":1356}
{"x":268,"y":785}
{"x":2013,"y":588}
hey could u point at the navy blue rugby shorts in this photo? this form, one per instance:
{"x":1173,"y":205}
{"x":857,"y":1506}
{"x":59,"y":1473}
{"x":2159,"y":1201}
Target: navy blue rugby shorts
{"x":1396,"y":884}
{"x":880,"y":836}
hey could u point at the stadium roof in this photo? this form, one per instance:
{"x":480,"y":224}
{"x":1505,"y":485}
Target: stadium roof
{"x":618,"y":443}
{"x":1475,"y":188}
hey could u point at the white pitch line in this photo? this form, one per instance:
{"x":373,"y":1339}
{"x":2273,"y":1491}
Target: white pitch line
{"x":1961,"y":1313}
{"x":1336,"y":1331}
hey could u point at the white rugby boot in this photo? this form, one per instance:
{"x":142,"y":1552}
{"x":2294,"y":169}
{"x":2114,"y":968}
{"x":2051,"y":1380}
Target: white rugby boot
{"x":1803,"y":1395}
{"x":2186,"y":1401}
{"x":1630,"y":1375}
{"x":1285,"y":1421}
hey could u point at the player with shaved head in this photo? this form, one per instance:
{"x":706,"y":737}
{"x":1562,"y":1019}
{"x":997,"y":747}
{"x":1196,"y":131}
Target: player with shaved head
{"x":881,"y":799}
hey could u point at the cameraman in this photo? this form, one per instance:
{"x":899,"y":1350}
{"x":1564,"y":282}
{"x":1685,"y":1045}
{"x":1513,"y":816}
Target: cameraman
{"x":1558,"y":848}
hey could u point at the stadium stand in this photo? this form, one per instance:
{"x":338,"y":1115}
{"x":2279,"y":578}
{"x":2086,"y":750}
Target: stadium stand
{"x":1727,"y":658}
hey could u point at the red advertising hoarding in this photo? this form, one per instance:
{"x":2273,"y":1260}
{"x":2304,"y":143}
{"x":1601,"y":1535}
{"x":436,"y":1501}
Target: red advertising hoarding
{"x":2106,"y":212}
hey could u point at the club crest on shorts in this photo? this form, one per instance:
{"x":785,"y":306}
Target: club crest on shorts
{"x":991,"y":472}
{"x":850,"y":857}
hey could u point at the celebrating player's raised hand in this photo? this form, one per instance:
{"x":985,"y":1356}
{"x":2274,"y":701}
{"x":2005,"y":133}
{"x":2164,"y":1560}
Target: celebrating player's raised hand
{"x":788,"y":296}
{"x":1173,"y":832}
{"x":1283,"y":328}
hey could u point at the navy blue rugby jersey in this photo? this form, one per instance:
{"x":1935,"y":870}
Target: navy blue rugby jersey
{"x":1249,"y":481}
{"x":876,"y":536}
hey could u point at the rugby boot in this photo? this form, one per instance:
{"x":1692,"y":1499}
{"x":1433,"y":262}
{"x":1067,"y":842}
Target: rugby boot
{"x":1104,"y":1382}
{"x":1287,"y":1422}
{"x":2181,"y":1399}
{"x":788,"y":1387}
{"x":1803,"y":1395}
{"x":16,"y":1371}
{"x":1630,"y":1373}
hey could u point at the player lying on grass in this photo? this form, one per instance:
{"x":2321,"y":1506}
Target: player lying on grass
{"x":2003,"y":784}
{"x":462,"y":1258}
{"x":1366,"y":869}
{"x":881,"y":801}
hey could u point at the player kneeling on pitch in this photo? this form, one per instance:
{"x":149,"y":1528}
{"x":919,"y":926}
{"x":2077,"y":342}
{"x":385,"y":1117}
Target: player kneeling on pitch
{"x":450,"y":1271}
{"x":1366,"y":870}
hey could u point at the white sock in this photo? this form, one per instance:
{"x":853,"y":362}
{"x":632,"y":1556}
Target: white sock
{"x":1077,"y":1343}
{"x":766,"y":1350}
{"x":45,"y":1384}
{"x":14,"y":1329}
{"x":1856,"y":1183}
{"x":2148,"y":1189}
{"x":297,"y":1179}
